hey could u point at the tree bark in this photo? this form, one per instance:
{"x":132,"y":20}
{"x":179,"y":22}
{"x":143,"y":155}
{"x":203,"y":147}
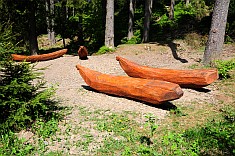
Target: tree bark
{"x":171,"y":15}
{"x":147,"y":16}
{"x":217,"y":31}
{"x":33,"y":43}
{"x":131,"y":19}
{"x":50,"y":21}
{"x":109,"y":31}
{"x":80,"y":32}
{"x":63,"y":17}
{"x":187,"y":2}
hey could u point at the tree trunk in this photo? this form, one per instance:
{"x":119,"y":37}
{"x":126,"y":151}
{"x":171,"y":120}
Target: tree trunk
{"x":109,"y":31}
{"x":80,"y":32}
{"x":147,"y":16}
{"x":187,"y":2}
{"x":171,"y":15}
{"x":33,"y":43}
{"x":50,"y":21}
{"x":216,"y":35}
{"x":63,"y":17}
{"x":131,"y":19}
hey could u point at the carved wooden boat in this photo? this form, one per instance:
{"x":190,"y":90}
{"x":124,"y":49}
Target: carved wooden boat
{"x":185,"y":78}
{"x":42,"y":57}
{"x":151,"y":91}
{"x":82,"y":53}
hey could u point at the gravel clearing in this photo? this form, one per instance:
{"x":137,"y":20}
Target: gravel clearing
{"x":73,"y":91}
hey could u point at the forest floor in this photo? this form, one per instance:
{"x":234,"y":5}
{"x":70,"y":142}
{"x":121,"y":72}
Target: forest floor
{"x":84,"y":129}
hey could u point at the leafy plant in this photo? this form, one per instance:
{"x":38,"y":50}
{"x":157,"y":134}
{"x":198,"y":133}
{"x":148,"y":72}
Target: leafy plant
{"x":216,"y":136}
{"x":11,"y":145}
{"x":134,"y":40}
{"x":104,"y":50}
{"x":178,"y":112}
{"x":177,"y":144}
{"x":45,"y":129}
{"x":151,"y":122}
{"x":224,"y":66}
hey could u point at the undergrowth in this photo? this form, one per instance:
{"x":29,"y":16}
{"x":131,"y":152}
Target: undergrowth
{"x":215,"y":137}
{"x":26,"y":104}
{"x":136,"y":39}
{"x":224,"y":67}
{"x":22,"y":101}
{"x":104,"y":50}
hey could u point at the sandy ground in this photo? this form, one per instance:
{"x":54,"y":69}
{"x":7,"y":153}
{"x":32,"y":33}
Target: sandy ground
{"x":72,"y":89}
{"x":73,"y":92}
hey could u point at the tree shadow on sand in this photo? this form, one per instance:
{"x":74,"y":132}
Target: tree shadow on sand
{"x":173,"y":46}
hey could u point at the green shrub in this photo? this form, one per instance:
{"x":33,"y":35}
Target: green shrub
{"x":224,"y":66}
{"x":134,"y":40}
{"x":22,"y":98}
{"x":197,"y":8}
{"x":104,"y":50}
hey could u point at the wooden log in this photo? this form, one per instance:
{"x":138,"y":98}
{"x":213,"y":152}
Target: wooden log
{"x":82,"y":53}
{"x":42,"y":57}
{"x":185,"y":78}
{"x":151,"y":91}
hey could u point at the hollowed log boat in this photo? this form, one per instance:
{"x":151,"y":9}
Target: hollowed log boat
{"x":82,"y":53}
{"x":150,"y":91}
{"x":41,"y":57}
{"x":185,"y":78}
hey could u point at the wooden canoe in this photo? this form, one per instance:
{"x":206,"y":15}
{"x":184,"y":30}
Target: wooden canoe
{"x":151,"y":91}
{"x":82,"y":53}
{"x":42,"y":57}
{"x":185,"y":78}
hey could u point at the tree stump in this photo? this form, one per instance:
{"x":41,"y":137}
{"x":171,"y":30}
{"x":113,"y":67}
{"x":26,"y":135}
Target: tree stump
{"x":82,"y":53}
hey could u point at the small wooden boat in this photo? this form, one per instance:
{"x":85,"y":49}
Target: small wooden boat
{"x":41,"y":57}
{"x":82,"y":53}
{"x":185,"y":78}
{"x":151,"y":91}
